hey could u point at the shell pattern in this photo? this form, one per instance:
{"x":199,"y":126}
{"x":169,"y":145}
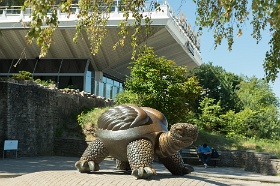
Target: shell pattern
{"x":124,"y":117}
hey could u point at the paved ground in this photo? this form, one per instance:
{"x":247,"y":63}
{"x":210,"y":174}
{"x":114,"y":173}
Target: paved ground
{"x":56,"y":170}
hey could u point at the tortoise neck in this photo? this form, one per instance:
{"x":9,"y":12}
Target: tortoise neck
{"x":168,"y":145}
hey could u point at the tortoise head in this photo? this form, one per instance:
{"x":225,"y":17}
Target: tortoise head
{"x":184,"y":132}
{"x":180,"y":135}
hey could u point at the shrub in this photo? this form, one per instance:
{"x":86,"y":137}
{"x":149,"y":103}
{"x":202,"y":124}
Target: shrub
{"x":45,"y":83}
{"x":90,"y":118}
{"x":88,"y":121}
{"x":161,"y":84}
{"x":22,"y":75}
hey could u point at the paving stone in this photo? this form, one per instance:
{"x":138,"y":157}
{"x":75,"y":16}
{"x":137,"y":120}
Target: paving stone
{"x":60,"y":171}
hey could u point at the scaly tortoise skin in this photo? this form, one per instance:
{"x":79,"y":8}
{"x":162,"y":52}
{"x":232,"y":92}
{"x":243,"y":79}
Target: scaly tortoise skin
{"x":133,"y":136}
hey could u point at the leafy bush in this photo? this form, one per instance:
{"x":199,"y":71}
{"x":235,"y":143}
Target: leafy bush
{"x":22,"y":75}
{"x":90,"y":118}
{"x":127,"y":97}
{"x":210,"y":111}
{"x":236,"y":106}
{"x":45,"y":83}
{"x":88,"y":121}
{"x":159,"y":83}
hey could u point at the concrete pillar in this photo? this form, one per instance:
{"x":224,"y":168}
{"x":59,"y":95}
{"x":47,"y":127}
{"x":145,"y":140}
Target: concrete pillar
{"x":98,"y":76}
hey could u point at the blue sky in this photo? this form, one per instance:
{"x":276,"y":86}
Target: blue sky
{"x":246,"y":57}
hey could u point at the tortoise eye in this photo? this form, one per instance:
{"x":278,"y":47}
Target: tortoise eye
{"x":180,"y":131}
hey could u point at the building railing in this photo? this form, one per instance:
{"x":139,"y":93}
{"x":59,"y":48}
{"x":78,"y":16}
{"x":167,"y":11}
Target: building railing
{"x":193,"y":42}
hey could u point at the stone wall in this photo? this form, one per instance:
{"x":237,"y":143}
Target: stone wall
{"x":260,"y":162}
{"x":35,"y":115}
{"x":3,"y":112}
{"x":233,"y":158}
{"x":69,"y":147}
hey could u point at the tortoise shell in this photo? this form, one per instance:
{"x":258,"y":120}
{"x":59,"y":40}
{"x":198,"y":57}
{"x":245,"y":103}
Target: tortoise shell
{"x":123,"y":124}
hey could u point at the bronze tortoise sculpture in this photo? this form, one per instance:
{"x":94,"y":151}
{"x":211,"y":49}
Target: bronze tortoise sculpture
{"x":133,"y":136}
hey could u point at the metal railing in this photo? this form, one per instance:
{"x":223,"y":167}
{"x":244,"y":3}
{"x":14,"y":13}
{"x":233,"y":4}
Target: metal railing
{"x":193,"y":42}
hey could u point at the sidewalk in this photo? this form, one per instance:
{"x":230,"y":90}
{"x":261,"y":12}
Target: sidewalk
{"x":58,"y":170}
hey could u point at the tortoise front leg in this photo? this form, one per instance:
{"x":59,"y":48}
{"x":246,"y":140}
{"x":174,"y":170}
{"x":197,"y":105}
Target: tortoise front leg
{"x":92,"y":156}
{"x":140,"y":156}
{"x":175,"y":164}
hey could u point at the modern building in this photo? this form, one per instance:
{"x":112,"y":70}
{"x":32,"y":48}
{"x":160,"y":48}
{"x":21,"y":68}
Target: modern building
{"x":73,"y":65}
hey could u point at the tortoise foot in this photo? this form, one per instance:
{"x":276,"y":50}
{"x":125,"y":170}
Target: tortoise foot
{"x":143,"y":172}
{"x":188,"y":169}
{"x":84,"y":166}
{"x":175,"y":165}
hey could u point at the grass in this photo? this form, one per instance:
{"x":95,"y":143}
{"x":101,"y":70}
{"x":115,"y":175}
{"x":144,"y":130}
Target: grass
{"x":88,"y":121}
{"x":220,"y":142}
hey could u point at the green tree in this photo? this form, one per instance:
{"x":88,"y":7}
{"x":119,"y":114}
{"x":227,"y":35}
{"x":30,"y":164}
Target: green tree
{"x":259,"y":117}
{"x":209,"y":119}
{"x":22,"y":75}
{"x":219,"y":85}
{"x":256,"y":93}
{"x":250,"y":123}
{"x":159,"y":83}
{"x":228,"y":17}
{"x":236,"y":105}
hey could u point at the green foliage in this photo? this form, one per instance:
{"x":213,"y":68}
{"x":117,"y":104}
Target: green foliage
{"x":239,"y":124}
{"x":227,"y":18}
{"x":210,"y":112}
{"x":255,"y":93}
{"x":93,"y":17}
{"x":219,"y":85}
{"x":42,"y":25}
{"x":22,"y":75}
{"x":159,"y":83}
{"x":93,"y":23}
{"x":127,"y":97}
{"x":90,"y":117}
{"x":236,"y":106}
{"x":45,"y":83}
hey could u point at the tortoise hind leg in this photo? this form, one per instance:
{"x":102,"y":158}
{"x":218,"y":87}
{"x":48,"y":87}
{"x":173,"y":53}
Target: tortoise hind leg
{"x":175,"y":165}
{"x":122,"y":165}
{"x":92,"y":156}
{"x":140,"y":156}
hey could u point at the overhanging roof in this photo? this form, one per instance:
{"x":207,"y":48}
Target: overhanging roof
{"x":167,"y":38}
